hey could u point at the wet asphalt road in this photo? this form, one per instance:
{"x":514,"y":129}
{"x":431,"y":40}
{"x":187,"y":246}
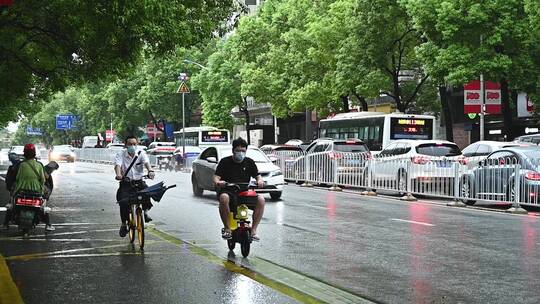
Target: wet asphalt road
{"x":312,"y":241}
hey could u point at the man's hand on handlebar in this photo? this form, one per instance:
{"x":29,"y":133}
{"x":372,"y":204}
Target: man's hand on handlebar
{"x":221,"y":184}
{"x":151,"y":174}
{"x":260,"y":183}
{"x":119,"y":177}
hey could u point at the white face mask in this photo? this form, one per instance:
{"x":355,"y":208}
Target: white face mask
{"x":239,"y":156}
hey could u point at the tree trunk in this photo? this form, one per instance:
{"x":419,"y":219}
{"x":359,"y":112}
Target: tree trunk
{"x":397,"y":93}
{"x":506,"y":110}
{"x":345,"y":102}
{"x":362,"y":101}
{"x":445,"y":103}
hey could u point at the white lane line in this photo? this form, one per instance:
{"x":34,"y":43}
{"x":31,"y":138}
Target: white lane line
{"x":2,"y":178}
{"x":41,"y":254}
{"x":412,"y":222}
{"x":71,"y":233}
{"x":80,"y":224}
{"x":140,"y":253}
{"x":23,"y":239}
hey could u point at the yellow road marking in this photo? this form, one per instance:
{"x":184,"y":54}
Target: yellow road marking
{"x":9,"y":293}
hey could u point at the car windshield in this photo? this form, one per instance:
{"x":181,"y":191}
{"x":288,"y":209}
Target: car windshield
{"x":62,"y":149}
{"x":438,"y":149}
{"x":256,"y":155}
{"x":18,"y":149}
{"x":350,"y":147}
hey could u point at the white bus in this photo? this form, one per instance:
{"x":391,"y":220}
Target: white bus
{"x":203,"y":136}
{"x":378,"y":130}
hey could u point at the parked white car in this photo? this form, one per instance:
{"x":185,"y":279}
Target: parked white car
{"x":424,"y":162}
{"x":205,"y":166}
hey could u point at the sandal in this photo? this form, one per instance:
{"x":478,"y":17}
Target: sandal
{"x":255,"y":238}
{"x":227,"y":235}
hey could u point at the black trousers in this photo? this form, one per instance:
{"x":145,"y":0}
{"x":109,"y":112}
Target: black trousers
{"x":124,"y":191}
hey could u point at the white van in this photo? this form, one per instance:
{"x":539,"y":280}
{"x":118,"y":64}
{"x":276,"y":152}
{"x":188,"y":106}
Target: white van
{"x":89,"y":141}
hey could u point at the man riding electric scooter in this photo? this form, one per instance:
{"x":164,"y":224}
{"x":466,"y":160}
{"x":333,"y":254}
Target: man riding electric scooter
{"x":238,"y":169}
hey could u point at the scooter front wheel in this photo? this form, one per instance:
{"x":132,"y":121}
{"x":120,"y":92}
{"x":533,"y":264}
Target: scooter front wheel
{"x":245,"y":243}
{"x":231,"y":243}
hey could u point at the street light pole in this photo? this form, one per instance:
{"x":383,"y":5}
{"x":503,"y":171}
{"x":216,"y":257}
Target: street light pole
{"x":482,"y":98}
{"x":482,"y":105}
{"x":186,"y":61}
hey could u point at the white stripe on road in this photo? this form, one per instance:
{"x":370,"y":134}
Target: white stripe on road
{"x":2,"y":178}
{"x":412,"y":222}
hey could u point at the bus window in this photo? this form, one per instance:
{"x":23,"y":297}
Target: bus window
{"x":366,"y":133}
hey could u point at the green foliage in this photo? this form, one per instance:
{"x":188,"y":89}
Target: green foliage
{"x":147,"y":93}
{"x":38,"y":40}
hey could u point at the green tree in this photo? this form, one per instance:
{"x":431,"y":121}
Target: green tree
{"x":47,"y":45}
{"x":467,"y":38}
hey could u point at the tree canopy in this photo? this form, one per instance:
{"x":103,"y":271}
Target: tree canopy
{"x":46,"y":46}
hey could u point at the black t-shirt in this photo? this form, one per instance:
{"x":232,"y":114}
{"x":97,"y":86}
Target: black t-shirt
{"x":233,"y":172}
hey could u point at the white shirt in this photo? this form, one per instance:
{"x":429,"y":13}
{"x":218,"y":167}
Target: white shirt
{"x":123,"y":159}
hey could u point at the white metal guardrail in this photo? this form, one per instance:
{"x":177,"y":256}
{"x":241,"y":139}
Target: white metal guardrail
{"x":499,"y":180}
{"x":107,"y":156}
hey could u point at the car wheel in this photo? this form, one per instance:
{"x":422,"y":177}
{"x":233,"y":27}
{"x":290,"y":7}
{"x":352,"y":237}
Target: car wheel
{"x":275,"y":195}
{"x":467,"y":192}
{"x":197,"y":191}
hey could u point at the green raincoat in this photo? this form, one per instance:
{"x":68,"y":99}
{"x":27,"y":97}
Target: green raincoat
{"x":30,"y":177}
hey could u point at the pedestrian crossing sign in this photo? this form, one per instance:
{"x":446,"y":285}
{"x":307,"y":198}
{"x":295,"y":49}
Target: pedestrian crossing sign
{"x":183,"y":88}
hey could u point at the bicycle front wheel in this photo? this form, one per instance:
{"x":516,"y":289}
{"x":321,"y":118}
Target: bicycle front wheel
{"x":140,"y":227}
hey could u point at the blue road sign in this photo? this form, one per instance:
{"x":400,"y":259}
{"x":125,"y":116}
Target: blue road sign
{"x":33,"y":131}
{"x":66,"y":121}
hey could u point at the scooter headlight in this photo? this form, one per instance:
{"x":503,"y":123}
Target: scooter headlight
{"x":243,"y":213}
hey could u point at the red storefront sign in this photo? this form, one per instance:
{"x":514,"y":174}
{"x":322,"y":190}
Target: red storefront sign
{"x":472,"y":97}
{"x":109,"y":135}
{"x":151,"y":129}
{"x":6,"y":2}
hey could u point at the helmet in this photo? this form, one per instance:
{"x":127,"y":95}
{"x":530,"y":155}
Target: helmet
{"x":29,"y":151}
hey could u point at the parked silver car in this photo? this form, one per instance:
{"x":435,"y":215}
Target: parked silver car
{"x":205,"y":166}
{"x":478,"y":151}
{"x":495,"y":177}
